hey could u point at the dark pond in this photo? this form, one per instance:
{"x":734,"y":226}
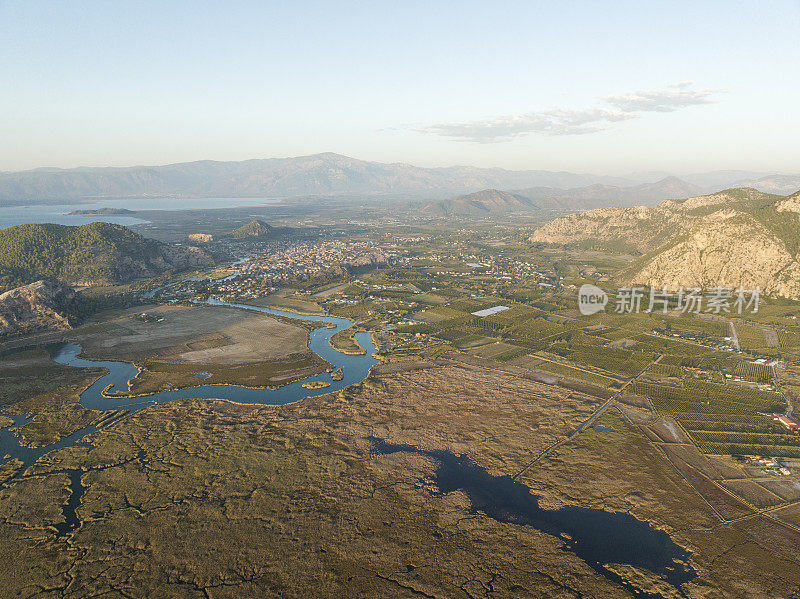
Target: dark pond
{"x":596,"y":536}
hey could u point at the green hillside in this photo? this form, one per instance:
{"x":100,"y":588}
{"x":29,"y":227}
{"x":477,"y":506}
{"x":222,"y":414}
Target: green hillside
{"x":92,"y":253}
{"x":255,"y":228}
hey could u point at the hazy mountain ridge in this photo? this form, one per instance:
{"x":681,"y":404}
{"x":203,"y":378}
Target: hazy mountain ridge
{"x":318,"y":174}
{"x":604,"y":196}
{"x":484,"y":202}
{"x":779,"y":184}
{"x":494,"y":201}
{"x":330,"y":174}
{"x":730,"y":238}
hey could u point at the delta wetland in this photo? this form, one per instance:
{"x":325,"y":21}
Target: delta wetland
{"x":213,"y":498}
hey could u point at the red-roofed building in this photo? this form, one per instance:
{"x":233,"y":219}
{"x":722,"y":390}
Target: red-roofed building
{"x":791,"y":423}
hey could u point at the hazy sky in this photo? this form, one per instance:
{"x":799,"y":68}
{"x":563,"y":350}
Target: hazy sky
{"x":605,"y":87}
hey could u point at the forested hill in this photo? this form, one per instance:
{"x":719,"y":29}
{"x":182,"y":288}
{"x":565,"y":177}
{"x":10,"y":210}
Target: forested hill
{"x":255,"y":228}
{"x":96,"y":253}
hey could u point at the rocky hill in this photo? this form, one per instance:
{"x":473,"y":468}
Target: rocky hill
{"x":92,"y":254}
{"x":731,"y":238}
{"x":45,"y":304}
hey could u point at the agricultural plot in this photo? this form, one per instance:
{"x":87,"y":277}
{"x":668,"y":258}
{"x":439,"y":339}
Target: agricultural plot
{"x":787,"y":489}
{"x":583,"y":338}
{"x":713,"y":327}
{"x":788,"y":339}
{"x":724,"y":419}
{"x":471,"y":341}
{"x":493,"y":350}
{"x":575,"y":373}
{"x":670,"y":346}
{"x":668,"y":370}
{"x":722,"y":365}
{"x":753,"y":493}
{"x":753,"y":372}
{"x":536,"y":329}
{"x":465,"y":337}
{"x":446,"y":312}
{"x":751,"y":338}
{"x":431,"y":298}
{"x":470,"y":305}
{"x":354,"y":311}
{"x":609,"y":335}
{"x":515,"y":315}
{"x":724,"y":502}
{"x":623,"y":362}
{"x":457,"y":333}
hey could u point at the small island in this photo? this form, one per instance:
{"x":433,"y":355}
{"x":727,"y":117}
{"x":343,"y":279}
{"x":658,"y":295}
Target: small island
{"x":316,"y":385}
{"x":102,"y":212}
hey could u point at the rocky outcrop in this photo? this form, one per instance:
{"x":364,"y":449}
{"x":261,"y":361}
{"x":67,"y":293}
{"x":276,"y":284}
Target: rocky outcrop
{"x":41,"y":305}
{"x":635,"y":226}
{"x":732,"y":252}
{"x":166,"y":257}
{"x":200,"y":237}
{"x":367,"y":259}
{"x":790,"y":204}
{"x":738,"y":237}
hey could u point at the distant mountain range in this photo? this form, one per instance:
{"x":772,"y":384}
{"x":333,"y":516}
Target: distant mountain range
{"x":731,"y":238}
{"x":318,"y":174}
{"x":601,"y":196}
{"x":493,"y":201}
{"x":779,"y":184}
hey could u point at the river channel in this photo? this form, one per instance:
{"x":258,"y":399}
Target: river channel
{"x":102,"y":395}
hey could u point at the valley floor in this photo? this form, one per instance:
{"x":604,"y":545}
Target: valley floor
{"x":212,"y":499}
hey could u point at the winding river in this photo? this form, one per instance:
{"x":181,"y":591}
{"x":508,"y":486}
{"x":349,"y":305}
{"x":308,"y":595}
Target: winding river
{"x":100,"y":395}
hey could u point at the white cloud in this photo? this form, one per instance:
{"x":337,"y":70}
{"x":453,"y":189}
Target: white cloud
{"x":661,"y":100}
{"x":568,"y":121}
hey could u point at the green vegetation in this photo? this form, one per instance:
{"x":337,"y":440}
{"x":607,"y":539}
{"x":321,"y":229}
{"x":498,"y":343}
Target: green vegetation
{"x":344,"y":341}
{"x":97,"y":252}
{"x":158,"y":376}
{"x":255,"y":228}
{"x":724,"y":418}
{"x":28,"y":372}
